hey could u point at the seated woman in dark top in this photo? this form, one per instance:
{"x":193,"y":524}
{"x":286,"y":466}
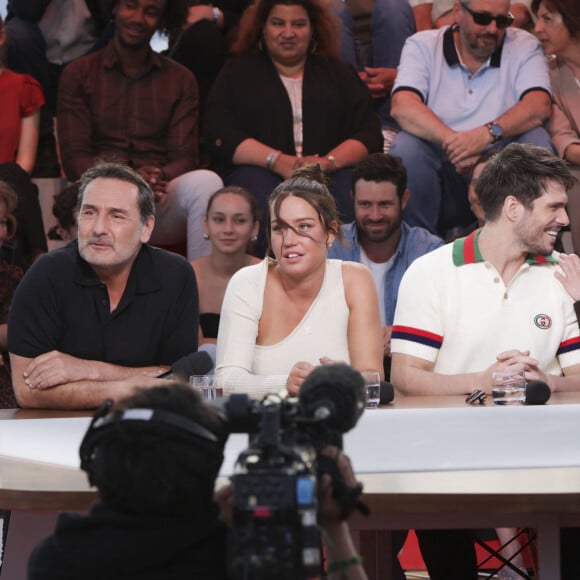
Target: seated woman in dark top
{"x":285,"y":100}
{"x":231,"y":225}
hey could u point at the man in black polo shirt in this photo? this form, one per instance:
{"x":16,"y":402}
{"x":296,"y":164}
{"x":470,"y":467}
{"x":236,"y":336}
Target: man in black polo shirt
{"x":90,"y":319}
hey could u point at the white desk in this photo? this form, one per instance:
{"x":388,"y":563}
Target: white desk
{"x":425,"y":462}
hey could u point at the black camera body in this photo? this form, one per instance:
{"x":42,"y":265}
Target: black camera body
{"x":275,"y":530}
{"x":275,"y":533}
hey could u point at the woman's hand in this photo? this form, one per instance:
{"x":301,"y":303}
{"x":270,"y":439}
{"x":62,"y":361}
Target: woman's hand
{"x":570,"y":264}
{"x":297,"y":375}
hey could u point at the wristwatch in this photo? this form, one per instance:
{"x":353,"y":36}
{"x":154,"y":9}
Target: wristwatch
{"x":495,"y":131}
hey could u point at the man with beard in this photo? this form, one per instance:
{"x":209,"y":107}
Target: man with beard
{"x":89,"y":320}
{"x":379,"y":238}
{"x":458,"y":91}
{"x":487,"y":302}
{"x":129,"y":104}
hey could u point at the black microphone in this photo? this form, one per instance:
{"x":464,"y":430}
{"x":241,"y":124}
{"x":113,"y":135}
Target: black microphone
{"x":194,"y":363}
{"x":335,"y":394}
{"x":387,"y":392}
{"x":537,"y":393}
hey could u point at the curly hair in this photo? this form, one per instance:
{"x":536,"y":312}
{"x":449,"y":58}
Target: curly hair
{"x":325,"y":28}
{"x":173,"y":18}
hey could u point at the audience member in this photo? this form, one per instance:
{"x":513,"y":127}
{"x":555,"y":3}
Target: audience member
{"x":422,"y":10}
{"x":379,"y":238}
{"x":231,"y":225}
{"x":43,"y":36}
{"x":558,"y":29}
{"x":21,"y":98}
{"x":283,"y":316}
{"x":458,"y":91}
{"x":157,"y":515}
{"x":204,"y":41}
{"x":64,"y":209}
{"x":89,"y":319}
{"x":310,"y":108}
{"x":9,"y":278}
{"x":391,"y":23}
{"x":127,"y":103}
{"x":442,"y":14}
{"x":500,"y":277}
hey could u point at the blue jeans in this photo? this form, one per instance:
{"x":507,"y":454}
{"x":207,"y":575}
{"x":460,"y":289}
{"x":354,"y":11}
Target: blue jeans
{"x":438,"y":200}
{"x":392,"y":22}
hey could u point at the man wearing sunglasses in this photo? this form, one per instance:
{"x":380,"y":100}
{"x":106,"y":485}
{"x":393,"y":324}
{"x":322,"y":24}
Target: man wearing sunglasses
{"x":459,"y":91}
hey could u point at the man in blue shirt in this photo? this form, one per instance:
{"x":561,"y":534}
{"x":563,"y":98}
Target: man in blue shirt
{"x":458,"y":91}
{"x":379,"y":238}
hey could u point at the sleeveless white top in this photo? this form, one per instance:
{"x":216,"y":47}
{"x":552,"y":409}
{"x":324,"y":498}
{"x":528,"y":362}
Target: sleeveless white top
{"x":244,"y":366}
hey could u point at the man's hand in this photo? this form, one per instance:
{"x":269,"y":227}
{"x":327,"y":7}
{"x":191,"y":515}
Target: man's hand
{"x":297,"y":375}
{"x":154,"y":177}
{"x":54,"y":368}
{"x":379,"y":81}
{"x":521,"y":361}
{"x":463,"y":145}
{"x":201,"y":12}
{"x":570,"y":264}
{"x":224,"y":497}
{"x":330,"y":509}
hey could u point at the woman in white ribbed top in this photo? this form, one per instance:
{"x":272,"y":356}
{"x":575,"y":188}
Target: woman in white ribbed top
{"x":284,"y":316}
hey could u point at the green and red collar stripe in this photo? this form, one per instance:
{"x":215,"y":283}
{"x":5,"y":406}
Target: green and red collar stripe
{"x":466,"y":251}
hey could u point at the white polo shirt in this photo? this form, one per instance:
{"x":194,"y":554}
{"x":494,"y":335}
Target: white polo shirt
{"x":430,"y":66}
{"x":454,"y":310}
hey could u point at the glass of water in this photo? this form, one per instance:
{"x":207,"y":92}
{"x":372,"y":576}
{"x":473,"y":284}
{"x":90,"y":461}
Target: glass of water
{"x":373,"y":386}
{"x":204,"y":385}
{"x":508,"y":387}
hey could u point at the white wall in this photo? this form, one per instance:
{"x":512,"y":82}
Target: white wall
{"x":3,"y":8}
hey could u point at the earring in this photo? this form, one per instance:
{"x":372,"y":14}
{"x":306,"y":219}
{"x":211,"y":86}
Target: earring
{"x":329,"y":245}
{"x":255,"y":238}
{"x":205,"y":236}
{"x":313,"y":45}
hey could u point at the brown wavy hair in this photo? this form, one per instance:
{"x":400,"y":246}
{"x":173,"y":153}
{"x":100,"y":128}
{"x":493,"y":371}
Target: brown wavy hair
{"x":569,"y":9}
{"x":309,"y":183}
{"x":325,"y":27}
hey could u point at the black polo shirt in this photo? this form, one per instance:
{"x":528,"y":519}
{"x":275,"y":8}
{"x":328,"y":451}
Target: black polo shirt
{"x":62,"y":305}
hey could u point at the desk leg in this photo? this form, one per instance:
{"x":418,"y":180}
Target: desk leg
{"x":548,"y":548}
{"x":376,"y":548}
{"x":25,"y":531}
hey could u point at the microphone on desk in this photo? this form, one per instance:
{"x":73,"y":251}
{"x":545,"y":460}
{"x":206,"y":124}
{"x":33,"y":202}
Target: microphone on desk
{"x":387,"y":392}
{"x":537,"y":393}
{"x":194,"y":363}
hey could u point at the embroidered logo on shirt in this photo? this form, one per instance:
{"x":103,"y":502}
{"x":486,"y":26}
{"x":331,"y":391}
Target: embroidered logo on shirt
{"x":543,"y":321}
